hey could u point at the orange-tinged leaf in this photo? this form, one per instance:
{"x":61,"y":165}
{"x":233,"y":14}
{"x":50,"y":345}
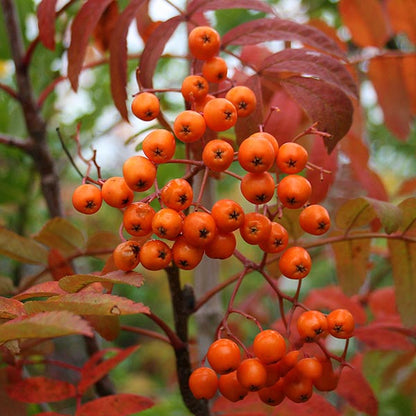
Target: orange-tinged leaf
{"x":118,"y":56}
{"x":101,"y":244}
{"x":123,"y":404}
{"x":403,"y":261}
{"x":366,"y":22}
{"x":11,"y":308}
{"x":329,"y":31}
{"x":408,"y":209}
{"x":81,"y":30}
{"x":41,"y":389}
{"x":409,"y":70}
{"x":46,"y":22}
{"x":325,"y":104}
{"x":22,"y":249}
{"x":392,"y":95}
{"x":60,"y":234}
{"x":96,"y":368}
{"x":44,"y":325}
{"x":107,"y":326}
{"x":77,"y":282}
{"x":351,"y":260}
{"x":272,"y":29}
{"x":197,"y":6}
{"x":402,"y":15}
{"x":88,"y":303}
{"x":356,"y":390}
{"x":58,"y":265}
{"x":44,"y":289}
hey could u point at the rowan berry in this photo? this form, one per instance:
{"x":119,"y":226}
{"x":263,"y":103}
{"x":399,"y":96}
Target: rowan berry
{"x":273,"y":141}
{"x":243,"y":99}
{"x":269,"y":346}
{"x":155,"y":255}
{"x":137,"y":219}
{"x":297,"y":388}
{"x":252,"y":374}
{"x":139,"y":173}
{"x":186,"y":256}
{"x":230,"y":387}
{"x":218,"y":155}
{"x":255,"y":228}
{"x":328,"y":380}
{"x":257,"y":188}
{"x":309,"y":367}
{"x":204,"y":42}
{"x":295,"y":263}
{"x":220,"y":114}
{"x":314,"y":219}
{"x":272,"y":395}
{"x":203,"y":383}
{"x":167,"y":223}
{"x":159,"y":145}
{"x":277,"y":239}
{"x":145,"y":106}
{"x":341,"y":323}
{"x":312,"y":325}
{"x":194,"y":88}
{"x":126,"y":255}
{"x":116,"y":192}
{"x":224,"y":355}
{"x":256,"y":154}
{"x":228,"y":215}
{"x":215,"y":69}
{"x":199,"y":228}
{"x":189,"y":126}
{"x":177,"y":194}
{"x":292,"y":158}
{"x":294,"y":191}
{"x":222,"y":246}
{"x":87,"y":198}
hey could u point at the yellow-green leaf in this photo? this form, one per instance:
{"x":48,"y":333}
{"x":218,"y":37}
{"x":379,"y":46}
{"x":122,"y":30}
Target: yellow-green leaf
{"x":403,"y":261}
{"x":44,"y":325}
{"x":22,"y":249}
{"x":77,"y":282}
{"x":88,"y":303}
{"x":60,"y":234}
{"x":351,"y":261}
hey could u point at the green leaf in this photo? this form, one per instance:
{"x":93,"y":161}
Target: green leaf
{"x":361,"y":211}
{"x":87,"y":303}
{"x":351,"y":261}
{"x":60,"y":234}
{"x":22,"y":249}
{"x":403,"y":261}
{"x":44,"y":325}
{"x":77,"y":282}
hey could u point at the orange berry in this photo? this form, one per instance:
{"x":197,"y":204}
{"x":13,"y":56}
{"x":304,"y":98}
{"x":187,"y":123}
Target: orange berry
{"x":277,"y":239}
{"x":218,"y":155}
{"x":252,"y":374}
{"x":230,"y":387}
{"x":87,"y":198}
{"x":199,"y":228}
{"x":256,"y":154}
{"x":255,"y":228}
{"x":215,"y":69}
{"x":189,"y":126}
{"x":294,"y":191}
{"x":243,"y":99}
{"x":314,"y":219}
{"x":159,"y":145}
{"x":257,"y":187}
{"x":204,"y":42}
{"x":292,"y":158}
{"x":222,"y":246}
{"x":228,"y":215}
{"x":224,"y":355}
{"x":177,"y":194}
{"x":139,"y":173}
{"x":155,"y":255}
{"x":137,"y":219}
{"x":186,"y":256}
{"x":341,"y":323}
{"x":295,"y":263}
{"x":126,"y":255}
{"x":269,"y":346}
{"x":312,"y":325}
{"x":167,"y":223}
{"x":145,"y":106}
{"x":203,"y":383}
{"x":116,"y":193}
{"x":194,"y":88}
{"x":220,"y":114}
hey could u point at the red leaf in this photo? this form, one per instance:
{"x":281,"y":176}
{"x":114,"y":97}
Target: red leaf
{"x":46,"y":23}
{"x":354,"y":388}
{"x":382,"y":335}
{"x":41,"y":389}
{"x":382,"y":303}
{"x":41,"y":290}
{"x":82,"y":28}
{"x":94,"y":370}
{"x":321,"y":182}
{"x":203,"y":5}
{"x":332,"y":297}
{"x":11,"y":308}
{"x":306,"y":62}
{"x":103,"y":31}
{"x":50,"y":414}
{"x":118,"y":56}
{"x":324,"y":103}
{"x":58,"y":265}
{"x":366,"y":22}
{"x":392,"y":96}
{"x":154,"y":48}
{"x":315,"y":406}
{"x":122,"y":404}
{"x":263,"y":30}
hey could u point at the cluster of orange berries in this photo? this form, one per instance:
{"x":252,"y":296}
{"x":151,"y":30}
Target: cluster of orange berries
{"x":272,"y":371}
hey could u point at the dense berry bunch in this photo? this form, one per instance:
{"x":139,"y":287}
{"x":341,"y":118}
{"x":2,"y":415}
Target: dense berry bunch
{"x":166,"y":224}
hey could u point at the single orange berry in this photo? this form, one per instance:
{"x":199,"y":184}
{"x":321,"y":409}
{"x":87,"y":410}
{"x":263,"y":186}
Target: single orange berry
{"x":87,"y":198}
{"x":145,"y":106}
{"x":204,"y":42}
